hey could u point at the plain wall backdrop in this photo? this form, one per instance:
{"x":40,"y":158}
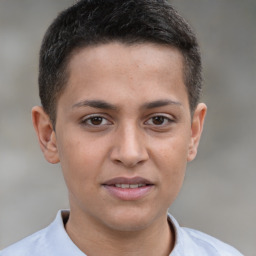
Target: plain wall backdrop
{"x":218,"y":196}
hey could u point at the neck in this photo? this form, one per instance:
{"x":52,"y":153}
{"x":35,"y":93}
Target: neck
{"x":93,"y":239}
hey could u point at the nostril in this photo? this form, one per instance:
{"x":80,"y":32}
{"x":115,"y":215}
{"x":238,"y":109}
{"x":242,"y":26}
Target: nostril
{"x":129,"y":164}
{"x":118,"y":161}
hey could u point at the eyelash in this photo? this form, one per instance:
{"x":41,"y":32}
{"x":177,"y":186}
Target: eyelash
{"x":88,"y":121}
{"x":104,"y":121}
{"x":166,"y":120}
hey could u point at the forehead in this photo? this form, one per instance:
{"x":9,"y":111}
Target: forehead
{"x":117,"y":69}
{"x":117,"y":54}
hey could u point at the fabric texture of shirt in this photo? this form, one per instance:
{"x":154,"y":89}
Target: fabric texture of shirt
{"x":54,"y":241}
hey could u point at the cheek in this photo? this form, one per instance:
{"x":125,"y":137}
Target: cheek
{"x":78,"y":159}
{"x":173,"y":169}
{"x":172,"y":151}
{"x":171,"y":160}
{"x":79,"y":171}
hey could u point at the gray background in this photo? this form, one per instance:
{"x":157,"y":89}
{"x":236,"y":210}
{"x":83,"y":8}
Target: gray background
{"x":218,"y":196}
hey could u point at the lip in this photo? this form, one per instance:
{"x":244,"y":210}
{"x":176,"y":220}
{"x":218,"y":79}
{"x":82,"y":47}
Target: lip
{"x":126,"y":180}
{"x":128,"y":194}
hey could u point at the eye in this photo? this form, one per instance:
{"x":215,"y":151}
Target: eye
{"x":95,"y":121}
{"x":159,"y":120}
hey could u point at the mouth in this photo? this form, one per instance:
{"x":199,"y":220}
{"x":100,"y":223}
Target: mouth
{"x":130,"y":185}
{"x":134,"y":181}
{"x":128,"y":189}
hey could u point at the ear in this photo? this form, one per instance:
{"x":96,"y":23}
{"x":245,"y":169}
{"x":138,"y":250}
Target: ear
{"x":45,"y":134}
{"x":196,"y":130}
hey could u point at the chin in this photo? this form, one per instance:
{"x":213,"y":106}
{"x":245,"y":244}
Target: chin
{"x":130,"y":220}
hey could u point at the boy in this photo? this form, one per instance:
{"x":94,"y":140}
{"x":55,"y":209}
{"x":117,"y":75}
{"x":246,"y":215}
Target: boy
{"x":119,"y":83}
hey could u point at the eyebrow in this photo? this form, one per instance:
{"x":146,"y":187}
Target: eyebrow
{"x":160,"y":103}
{"x":100,"y":104}
{"x":95,"y":104}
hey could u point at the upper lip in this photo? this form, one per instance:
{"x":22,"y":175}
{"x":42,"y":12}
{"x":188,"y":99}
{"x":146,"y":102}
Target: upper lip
{"x":125,"y":180}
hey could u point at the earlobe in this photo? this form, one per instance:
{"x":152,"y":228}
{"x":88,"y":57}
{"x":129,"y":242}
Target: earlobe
{"x":45,"y":134}
{"x":196,"y":130}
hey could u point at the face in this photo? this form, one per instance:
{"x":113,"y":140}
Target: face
{"x":124,"y":133}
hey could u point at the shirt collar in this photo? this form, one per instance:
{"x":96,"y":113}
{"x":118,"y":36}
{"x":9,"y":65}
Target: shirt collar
{"x":61,"y":244}
{"x":59,"y":241}
{"x":178,"y":245}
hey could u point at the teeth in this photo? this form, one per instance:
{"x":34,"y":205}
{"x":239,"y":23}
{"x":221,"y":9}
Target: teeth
{"x":124,"y":185}
{"x":129,"y":185}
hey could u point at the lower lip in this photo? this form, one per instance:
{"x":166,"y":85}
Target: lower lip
{"x":129,"y":194}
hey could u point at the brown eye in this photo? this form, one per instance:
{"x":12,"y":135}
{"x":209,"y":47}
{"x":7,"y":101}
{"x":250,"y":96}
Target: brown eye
{"x":158,"y":120}
{"x":96,"y":120}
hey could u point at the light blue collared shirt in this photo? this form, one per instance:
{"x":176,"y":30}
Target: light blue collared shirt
{"x":54,"y":241}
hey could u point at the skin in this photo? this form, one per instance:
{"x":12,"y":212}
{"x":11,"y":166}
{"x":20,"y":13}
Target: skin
{"x":143,"y":129}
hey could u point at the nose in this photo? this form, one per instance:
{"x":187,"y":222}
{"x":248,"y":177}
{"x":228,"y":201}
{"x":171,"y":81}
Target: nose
{"x":129,"y":147}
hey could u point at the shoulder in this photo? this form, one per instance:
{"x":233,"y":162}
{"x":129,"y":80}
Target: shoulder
{"x":51,"y":241}
{"x":195,"y":243}
{"x":28,"y":246}
{"x":39,"y":243}
{"x":208,"y":243}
